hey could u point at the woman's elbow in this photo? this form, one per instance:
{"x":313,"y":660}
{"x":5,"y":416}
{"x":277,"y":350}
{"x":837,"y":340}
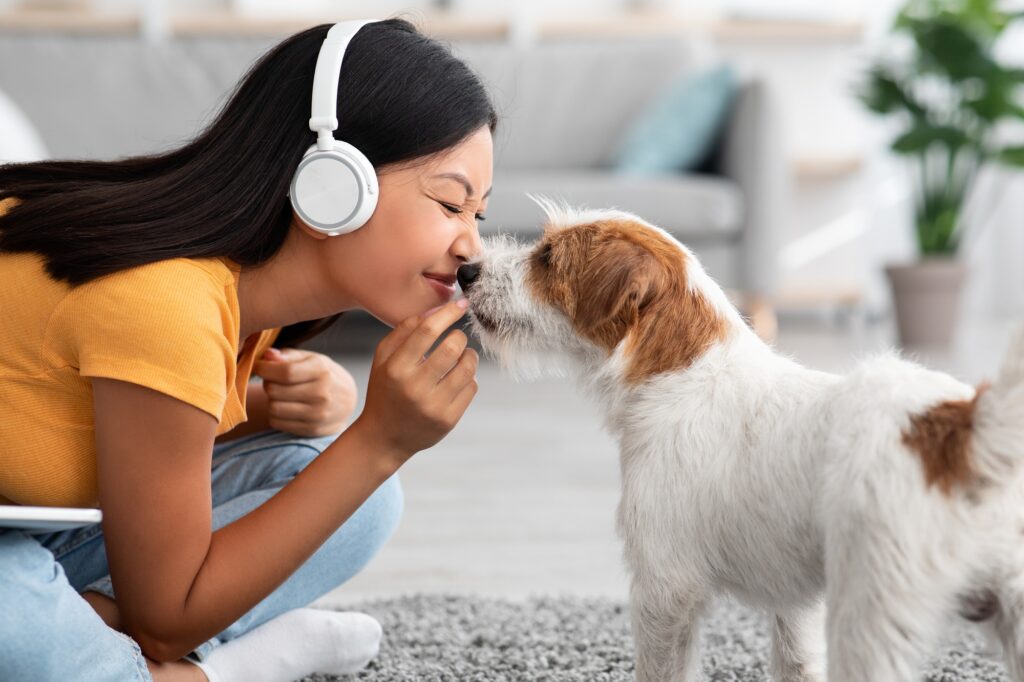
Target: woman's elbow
{"x":160,"y":647}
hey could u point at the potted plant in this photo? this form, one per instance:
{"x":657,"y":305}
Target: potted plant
{"x":950,"y":92}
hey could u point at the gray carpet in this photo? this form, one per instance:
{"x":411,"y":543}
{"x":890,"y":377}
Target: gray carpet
{"x":473,"y":639}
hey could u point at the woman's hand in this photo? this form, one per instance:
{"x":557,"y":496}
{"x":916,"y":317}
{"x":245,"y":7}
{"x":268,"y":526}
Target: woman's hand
{"x":308,"y":393}
{"x":413,"y":401}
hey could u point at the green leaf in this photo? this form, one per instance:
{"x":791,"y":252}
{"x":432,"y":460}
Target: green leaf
{"x":948,"y":48}
{"x":911,"y":142}
{"x":985,"y":16}
{"x":935,"y":231}
{"x":994,"y":98}
{"x":923,"y":135}
{"x":1012,"y":156}
{"x":883,"y":94}
{"x":904,"y":20}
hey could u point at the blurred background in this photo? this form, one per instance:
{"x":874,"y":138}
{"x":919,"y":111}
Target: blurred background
{"x":849,"y":170}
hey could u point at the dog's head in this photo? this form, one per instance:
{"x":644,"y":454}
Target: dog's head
{"x":601,"y":285}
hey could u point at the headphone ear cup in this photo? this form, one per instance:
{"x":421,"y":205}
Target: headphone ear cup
{"x":334,"y":191}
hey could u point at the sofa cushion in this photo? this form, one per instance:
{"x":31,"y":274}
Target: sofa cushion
{"x":688,"y":205}
{"x":679,"y":129}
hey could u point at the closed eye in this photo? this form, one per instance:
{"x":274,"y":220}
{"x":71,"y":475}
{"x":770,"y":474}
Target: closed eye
{"x":456,"y":210}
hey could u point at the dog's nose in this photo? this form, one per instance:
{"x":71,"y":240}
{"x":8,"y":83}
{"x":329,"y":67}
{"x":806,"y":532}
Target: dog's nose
{"x":466,"y":275}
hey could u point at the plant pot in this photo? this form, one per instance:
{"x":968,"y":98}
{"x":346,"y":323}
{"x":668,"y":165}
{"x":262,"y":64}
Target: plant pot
{"x":926,"y":296}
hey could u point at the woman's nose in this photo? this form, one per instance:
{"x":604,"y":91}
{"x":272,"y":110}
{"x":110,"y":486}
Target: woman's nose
{"x":466,"y":275}
{"x":469,"y":244}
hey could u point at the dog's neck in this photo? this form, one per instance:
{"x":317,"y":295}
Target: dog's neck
{"x":740,"y":353}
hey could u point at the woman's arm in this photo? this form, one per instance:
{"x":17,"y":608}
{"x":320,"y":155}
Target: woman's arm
{"x":178,"y":583}
{"x":255,"y":411}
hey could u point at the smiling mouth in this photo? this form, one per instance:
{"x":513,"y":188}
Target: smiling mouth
{"x":447,"y":280}
{"x":443,"y":285}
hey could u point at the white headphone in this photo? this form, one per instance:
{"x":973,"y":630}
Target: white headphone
{"x":334,"y":189}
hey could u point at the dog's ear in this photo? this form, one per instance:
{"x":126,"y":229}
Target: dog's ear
{"x":621,"y":281}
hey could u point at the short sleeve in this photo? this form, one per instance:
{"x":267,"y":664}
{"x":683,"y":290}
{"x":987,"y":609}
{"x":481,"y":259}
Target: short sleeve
{"x":167,"y":326}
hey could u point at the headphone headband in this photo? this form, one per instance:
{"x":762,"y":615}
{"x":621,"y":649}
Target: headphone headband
{"x":334,"y":188}
{"x":324,"y":120}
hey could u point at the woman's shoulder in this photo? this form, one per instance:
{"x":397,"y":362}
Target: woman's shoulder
{"x":164,"y":296}
{"x":166,"y":280}
{"x":178,"y":270}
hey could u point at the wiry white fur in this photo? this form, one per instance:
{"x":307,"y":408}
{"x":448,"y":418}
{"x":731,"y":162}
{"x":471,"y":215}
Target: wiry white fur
{"x":789,"y":488}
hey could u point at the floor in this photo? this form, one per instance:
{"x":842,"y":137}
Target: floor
{"x":519,"y":500}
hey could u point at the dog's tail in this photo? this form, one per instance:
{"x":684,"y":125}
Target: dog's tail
{"x":998,"y":420}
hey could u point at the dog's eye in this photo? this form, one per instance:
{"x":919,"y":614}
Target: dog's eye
{"x":544,"y":255}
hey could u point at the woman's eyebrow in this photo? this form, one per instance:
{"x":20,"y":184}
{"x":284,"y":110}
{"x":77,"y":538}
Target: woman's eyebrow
{"x":464,"y":181}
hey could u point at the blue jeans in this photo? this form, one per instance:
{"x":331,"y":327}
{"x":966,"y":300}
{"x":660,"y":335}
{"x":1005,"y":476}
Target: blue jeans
{"x":48,"y":632}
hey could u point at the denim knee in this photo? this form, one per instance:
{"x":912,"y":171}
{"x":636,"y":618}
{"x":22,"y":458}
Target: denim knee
{"x":346,"y":552}
{"x":48,"y":632}
{"x":362,"y":536}
{"x":384,"y":509}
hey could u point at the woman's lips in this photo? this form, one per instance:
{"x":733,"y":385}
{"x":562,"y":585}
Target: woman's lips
{"x":444,"y":288}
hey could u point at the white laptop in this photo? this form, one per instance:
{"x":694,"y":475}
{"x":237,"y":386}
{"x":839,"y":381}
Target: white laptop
{"x":46,"y":519}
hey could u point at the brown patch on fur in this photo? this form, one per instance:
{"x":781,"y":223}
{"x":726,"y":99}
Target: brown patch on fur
{"x":615,"y":279}
{"x":941,"y":437}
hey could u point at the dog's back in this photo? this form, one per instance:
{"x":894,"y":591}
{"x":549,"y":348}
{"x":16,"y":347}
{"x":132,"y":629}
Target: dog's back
{"x":920,"y":505}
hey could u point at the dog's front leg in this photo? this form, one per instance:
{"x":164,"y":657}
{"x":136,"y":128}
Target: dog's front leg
{"x":1007,"y":621}
{"x":798,"y":644}
{"x":665,"y":631}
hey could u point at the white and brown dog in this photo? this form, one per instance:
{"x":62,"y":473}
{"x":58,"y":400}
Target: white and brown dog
{"x":892,"y":495}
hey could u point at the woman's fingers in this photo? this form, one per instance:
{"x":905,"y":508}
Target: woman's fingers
{"x":304,"y":429}
{"x":296,"y":411}
{"x":387,"y":346}
{"x":417,"y":342}
{"x":293,"y":370}
{"x":410,"y":397}
{"x":462,"y":373}
{"x":299,"y":393}
{"x":444,"y":357}
{"x":462,"y":400}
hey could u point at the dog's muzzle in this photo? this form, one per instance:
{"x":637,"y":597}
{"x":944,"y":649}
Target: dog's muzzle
{"x":467,"y":274}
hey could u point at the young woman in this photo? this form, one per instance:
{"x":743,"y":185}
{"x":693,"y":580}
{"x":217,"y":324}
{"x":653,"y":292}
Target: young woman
{"x":138,"y":298}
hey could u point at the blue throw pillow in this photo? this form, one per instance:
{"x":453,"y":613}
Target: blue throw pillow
{"x":677,"y":131}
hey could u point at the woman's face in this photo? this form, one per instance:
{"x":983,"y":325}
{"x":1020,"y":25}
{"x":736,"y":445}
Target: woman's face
{"x":403,"y":261}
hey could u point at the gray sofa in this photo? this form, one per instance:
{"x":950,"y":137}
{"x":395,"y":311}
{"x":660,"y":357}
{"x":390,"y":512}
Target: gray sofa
{"x":564,"y":106}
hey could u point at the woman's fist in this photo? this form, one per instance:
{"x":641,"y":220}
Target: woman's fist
{"x":308,"y":393}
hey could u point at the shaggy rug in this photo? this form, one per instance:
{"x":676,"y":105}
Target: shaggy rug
{"x":475,"y":639}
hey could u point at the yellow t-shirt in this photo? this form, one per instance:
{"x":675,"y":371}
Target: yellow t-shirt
{"x":172,"y":326}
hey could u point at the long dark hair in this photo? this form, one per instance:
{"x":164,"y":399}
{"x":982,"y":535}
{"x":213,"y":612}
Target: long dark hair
{"x":402,"y":96}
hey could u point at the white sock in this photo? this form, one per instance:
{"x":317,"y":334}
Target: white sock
{"x":296,"y":644}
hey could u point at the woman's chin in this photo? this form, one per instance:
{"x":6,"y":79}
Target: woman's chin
{"x":393,"y":318}
{"x":387,"y":318}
